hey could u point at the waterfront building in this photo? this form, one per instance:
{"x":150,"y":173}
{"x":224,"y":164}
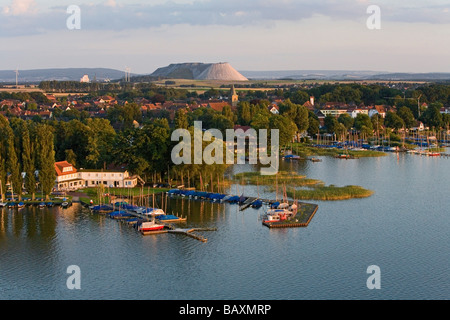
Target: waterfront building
{"x":68,"y":178}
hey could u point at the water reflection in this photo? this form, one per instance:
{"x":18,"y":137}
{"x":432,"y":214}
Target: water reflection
{"x":403,"y":228}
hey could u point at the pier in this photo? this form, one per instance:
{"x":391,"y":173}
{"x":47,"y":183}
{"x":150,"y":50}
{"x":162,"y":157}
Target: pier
{"x":191,"y":232}
{"x":301,"y":219}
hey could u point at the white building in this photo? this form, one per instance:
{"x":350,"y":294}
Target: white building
{"x":85,"y":78}
{"x":69,"y":178}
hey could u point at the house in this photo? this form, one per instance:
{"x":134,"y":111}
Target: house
{"x":274,"y":109}
{"x":68,"y":178}
{"x":355,"y":111}
{"x":377,"y":109}
{"x":445,"y":111}
{"x":309,"y":104}
{"x":218,"y":106}
{"x":419,"y":127}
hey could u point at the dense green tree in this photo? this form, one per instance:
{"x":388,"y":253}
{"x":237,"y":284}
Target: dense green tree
{"x":313,"y":126}
{"x":260,"y":121}
{"x":13,"y":167}
{"x":392,"y":120}
{"x":71,"y":157}
{"x":331,"y":124}
{"x":346,"y":120}
{"x":99,"y":142}
{"x":432,"y":116}
{"x":28,"y":163}
{"x":181,"y":119}
{"x":244,"y":115}
{"x":228,"y":113}
{"x":286,"y":127}
{"x":46,"y":159}
{"x":407,"y":116}
{"x":361,"y":120}
{"x":4,"y":129}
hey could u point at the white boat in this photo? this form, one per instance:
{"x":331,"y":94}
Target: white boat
{"x":153,"y":212}
{"x":3,"y":204}
{"x":283,"y":205}
{"x":65,"y":204}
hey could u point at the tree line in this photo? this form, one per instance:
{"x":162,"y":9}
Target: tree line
{"x":26,"y":148}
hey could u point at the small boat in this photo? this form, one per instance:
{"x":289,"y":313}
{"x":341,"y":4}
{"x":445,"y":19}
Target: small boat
{"x":49,"y":204}
{"x":275,"y":205}
{"x":342,"y":156}
{"x":256,"y":204}
{"x":153,"y":212}
{"x":20,"y":204}
{"x":276,"y":215}
{"x":283,"y":205}
{"x":292,"y":157}
{"x":65,"y":204}
{"x":150,"y":226}
{"x":315,"y":160}
{"x":42,"y":205}
{"x":11,"y":204}
{"x":433,"y":154}
{"x":3,"y":204}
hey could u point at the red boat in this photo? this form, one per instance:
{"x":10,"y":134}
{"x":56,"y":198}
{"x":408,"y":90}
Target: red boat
{"x":150,"y":226}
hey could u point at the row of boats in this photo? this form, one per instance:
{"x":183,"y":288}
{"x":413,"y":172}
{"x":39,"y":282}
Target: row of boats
{"x":277,"y":211}
{"x":21,"y":204}
{"x":214,"y":197}
{"x":146,"y":219}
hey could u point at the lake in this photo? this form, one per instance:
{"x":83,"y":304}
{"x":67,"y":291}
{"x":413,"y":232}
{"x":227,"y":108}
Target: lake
{"x":403,"y":228}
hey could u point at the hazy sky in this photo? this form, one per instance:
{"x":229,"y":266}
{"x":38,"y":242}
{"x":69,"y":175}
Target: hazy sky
{"x":249,"y":34}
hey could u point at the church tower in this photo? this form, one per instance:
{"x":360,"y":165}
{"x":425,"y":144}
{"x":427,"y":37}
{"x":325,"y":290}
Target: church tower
{"x":234,"y":97}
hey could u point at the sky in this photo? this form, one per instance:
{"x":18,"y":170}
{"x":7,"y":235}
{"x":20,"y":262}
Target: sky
{"x":252,"y":35}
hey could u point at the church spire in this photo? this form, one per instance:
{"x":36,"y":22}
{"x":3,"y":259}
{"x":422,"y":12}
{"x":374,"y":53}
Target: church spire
{"x":234,"y":97}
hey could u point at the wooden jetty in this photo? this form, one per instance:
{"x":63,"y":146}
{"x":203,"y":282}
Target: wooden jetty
{"x":247,"y":203}
{"x":191,"y":232}
{"x":147,"y":233}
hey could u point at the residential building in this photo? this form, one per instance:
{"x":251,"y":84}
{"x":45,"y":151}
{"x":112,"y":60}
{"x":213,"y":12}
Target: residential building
{"x":68,"y":178}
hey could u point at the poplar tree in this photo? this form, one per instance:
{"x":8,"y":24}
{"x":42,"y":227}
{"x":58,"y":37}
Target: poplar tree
{"x":2,"y":178}
{"x":46,"y":153}
{"x":4,"y":126}
{"x":28,"y":163}
{"x":12,"y":166}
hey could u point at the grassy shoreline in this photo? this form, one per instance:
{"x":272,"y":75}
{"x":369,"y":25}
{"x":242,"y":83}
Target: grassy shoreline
{"x":304,"y":150}
{"x":301,"y":188}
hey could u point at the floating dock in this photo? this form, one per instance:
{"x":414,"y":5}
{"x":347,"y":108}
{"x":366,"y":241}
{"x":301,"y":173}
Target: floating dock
{"x":301,"y":219}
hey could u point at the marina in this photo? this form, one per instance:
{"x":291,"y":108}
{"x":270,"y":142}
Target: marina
{"x":154,"y":221}
{"x":341,"y":240}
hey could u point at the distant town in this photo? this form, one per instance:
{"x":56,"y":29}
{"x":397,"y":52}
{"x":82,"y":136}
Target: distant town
{"x":126,"y":125}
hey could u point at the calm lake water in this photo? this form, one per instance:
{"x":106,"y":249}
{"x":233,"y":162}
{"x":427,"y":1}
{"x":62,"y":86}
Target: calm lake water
{"x":403,"y":228}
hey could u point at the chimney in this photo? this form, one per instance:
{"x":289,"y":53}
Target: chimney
{"x":311,"y":100}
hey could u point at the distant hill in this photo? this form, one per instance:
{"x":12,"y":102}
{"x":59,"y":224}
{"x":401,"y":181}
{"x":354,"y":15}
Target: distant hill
{"x":200,"y":71}
{"x":211,"y":71}
{"x":310,"y":74}
{"x":430,"y":76}
{"x":64,"y":74}
{"x":343,"y":75}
